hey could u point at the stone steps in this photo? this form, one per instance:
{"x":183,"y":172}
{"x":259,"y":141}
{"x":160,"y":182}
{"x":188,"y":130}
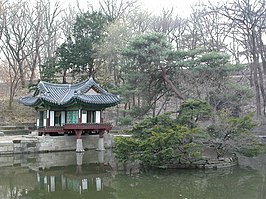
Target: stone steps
{"x":14,"y":130}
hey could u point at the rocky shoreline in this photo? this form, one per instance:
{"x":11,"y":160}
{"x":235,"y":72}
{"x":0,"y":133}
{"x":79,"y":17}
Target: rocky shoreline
{"x":205,"y":164}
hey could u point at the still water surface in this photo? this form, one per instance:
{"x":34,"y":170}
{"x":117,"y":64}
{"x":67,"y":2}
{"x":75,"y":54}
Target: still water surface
{"x":92,"y":175}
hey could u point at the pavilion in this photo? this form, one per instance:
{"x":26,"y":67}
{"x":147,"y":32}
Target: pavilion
{"x":71,"y":109}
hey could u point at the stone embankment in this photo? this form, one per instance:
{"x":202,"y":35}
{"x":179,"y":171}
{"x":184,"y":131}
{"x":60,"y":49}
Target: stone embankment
{"x":205,"y":164}
{"x":33,"y":143}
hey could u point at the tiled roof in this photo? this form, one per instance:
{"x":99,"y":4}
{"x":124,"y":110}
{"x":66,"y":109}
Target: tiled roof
{"x":67,"y":94}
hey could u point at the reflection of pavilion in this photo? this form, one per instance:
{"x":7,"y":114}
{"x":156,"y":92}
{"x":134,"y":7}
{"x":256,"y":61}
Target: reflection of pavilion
{"x":56,"y":181}
{"x":56,"y":175}
{"x":80,"y":178}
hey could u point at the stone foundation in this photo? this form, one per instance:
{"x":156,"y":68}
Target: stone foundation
{"x":101,"y":144}
{"x":34,"y":144}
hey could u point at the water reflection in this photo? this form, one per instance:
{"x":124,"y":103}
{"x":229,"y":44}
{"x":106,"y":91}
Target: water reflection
{"x":236,"y":184}
{"x":55,"y":175}
{"x":93,"y":174}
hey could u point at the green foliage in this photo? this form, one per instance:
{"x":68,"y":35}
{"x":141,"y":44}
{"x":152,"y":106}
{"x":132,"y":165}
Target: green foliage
{"x":162,"y":140}
{"x":212,"y":65}
{"x":227,"y":125}
{"x":147,"y":49}
{"x":231,"y":96}
{"x":124,"y":121}
{"x":48,"y":70}
{"x":192,"y":110}
{"x":143,"y":129}
{"x":77,"y":54}
{"x":230,"y":134}
{"x":143,"y":56}
{"x":127,"y":148}
{"x":89,"y":30}
{"x":159,"y":141}
{"x":138,"y":112}
{"x":203,"y":72}
{"x":252,"y":151}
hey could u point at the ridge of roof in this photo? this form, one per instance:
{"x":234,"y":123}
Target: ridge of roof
{"x":82,"y":86}
{"x":69,"y":90}
{"x":62,"y":94}
{"x":44,"y":83}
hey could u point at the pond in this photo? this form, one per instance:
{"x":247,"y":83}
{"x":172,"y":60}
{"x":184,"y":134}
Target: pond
{"x":92,"y":174}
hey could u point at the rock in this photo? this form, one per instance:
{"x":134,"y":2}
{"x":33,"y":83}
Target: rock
{"x":35,"y":133}
{"x":2,"y":133}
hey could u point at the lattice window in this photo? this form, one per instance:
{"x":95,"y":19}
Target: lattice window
{"x":72,"y":117}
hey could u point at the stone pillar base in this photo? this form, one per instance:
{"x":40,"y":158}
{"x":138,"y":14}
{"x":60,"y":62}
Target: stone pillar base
{"x":79,"y":146}
{"x":101,"y":156}
{"x":79,"y":157}
{"x":100,"y":144}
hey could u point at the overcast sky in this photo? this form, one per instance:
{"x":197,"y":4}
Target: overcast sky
{"x":182,"y":7}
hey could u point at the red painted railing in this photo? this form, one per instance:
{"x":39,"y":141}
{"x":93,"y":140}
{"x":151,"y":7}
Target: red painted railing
{"x":51,"y":129}
{"x":88,"y":126}
{"x":69,"y":127}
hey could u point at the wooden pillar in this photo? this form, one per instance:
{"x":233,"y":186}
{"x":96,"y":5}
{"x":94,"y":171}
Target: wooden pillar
{"x":45,"y":118}
{"x":84,"y":116}
{"x":98,"y":117}
{"x":101,"y":141}
{"x":63,"y":118}
{"x":51,"y":117}
{"x":80,"y":116}
{"x":79,"y":146}
{"x":38,"y":119}
{"x":48,"y":118}
{"x":78,"y":133}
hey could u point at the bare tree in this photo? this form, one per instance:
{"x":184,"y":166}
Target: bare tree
{"x":16,"y":31}
{"x":172,"y":25}
{"x":68,"y":19}
{"x":28,"y":36}
{"x":115,"y":9}
{"x":139,"y":22}
{"x":211,"y":27}
{"x":248,"y":18}
{"x":52,"y":24}
{"x":44,"y":36}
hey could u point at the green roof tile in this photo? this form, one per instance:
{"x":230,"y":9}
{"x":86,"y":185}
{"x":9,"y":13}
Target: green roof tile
{"x":66,"y":94}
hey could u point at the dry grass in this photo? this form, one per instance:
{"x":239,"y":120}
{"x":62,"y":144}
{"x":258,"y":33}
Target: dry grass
{"x":18,"y":114}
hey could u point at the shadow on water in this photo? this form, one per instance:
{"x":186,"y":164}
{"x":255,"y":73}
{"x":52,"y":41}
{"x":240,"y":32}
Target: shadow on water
{"x":94,"y":174}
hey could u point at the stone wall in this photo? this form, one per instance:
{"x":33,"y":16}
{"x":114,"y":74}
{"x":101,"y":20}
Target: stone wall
{"x":31,"y":144}
{"x":35,"y":161}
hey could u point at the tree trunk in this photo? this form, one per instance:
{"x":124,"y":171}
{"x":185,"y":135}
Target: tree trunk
{"x":22,"y":75}
{"x":154,"y":109}
{"x":170,"y":83}
{"x":125,"y":108}
{"x":261,"y":82}
{"x":255,"y":66}
{"x":139,"y":104}
{"x":11,"y":97}
{"x":262,"y":52}
{"x":64,"y":77}
{"x":257,"y":89}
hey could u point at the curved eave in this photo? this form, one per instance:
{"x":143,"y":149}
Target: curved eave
{"x":97,"y":104}
{"x":30,"y":101}
{"x":97,"y":101}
